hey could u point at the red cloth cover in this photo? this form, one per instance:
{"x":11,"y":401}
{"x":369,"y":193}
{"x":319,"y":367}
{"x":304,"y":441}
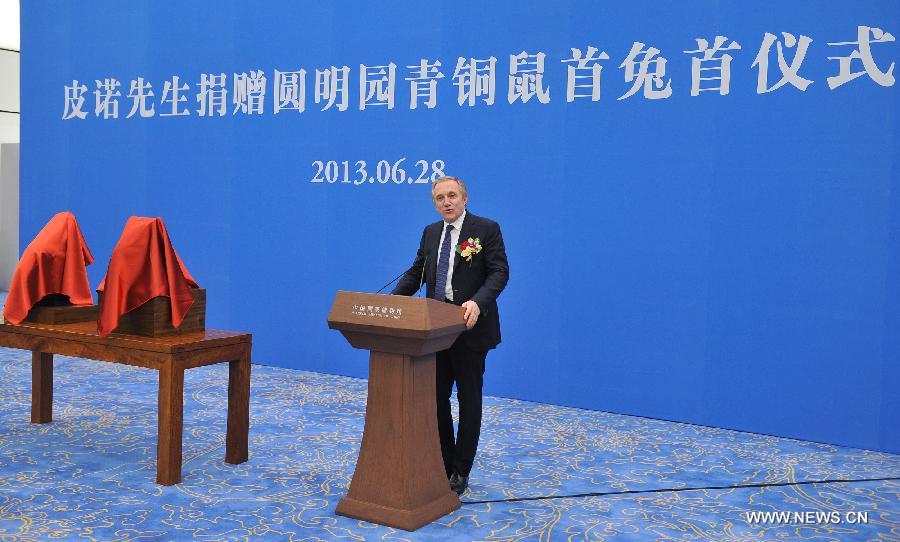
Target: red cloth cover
{"x":143,"y":265}
{"x":54,"y":263}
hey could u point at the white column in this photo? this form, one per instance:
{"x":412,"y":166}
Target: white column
{"x":9,"y":212}
{"x":9,"y":164}
{"x":9,"y":96}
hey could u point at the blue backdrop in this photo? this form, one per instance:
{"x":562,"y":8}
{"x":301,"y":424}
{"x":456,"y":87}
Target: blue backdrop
{"x":728,"y":259}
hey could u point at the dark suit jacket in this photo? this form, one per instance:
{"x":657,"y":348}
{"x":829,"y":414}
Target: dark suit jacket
{"x":480,"y":280}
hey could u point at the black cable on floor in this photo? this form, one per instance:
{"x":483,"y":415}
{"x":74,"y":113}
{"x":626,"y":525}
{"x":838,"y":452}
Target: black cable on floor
{"x":679,"y":489}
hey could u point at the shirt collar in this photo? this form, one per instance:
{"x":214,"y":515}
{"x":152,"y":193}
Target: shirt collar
{"x":457,"y":224}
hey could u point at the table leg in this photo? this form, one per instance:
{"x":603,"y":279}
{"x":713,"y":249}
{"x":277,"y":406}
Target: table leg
{"x":171,"y":411}
{"x":41,"y":387}
{"x":238,"y":411}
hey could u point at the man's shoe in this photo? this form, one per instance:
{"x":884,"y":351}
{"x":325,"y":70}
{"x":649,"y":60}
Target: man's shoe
{"x":459,"y":483}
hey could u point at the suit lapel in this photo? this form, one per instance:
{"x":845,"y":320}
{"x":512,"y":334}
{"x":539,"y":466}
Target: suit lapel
{"x":434,"y":249}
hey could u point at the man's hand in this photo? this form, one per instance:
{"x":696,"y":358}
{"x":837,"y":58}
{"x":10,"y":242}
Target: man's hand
{"x":472,"y":313}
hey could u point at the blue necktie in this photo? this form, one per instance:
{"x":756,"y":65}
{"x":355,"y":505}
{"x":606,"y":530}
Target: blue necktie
{"x":443,"y":265}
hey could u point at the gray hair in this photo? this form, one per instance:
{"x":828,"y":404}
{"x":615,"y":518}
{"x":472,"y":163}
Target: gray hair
{"x":462,"y":187}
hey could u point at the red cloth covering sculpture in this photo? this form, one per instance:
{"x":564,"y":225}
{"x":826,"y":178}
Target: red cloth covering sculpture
{"x":54,"y":263}
{"x":144,"y":265}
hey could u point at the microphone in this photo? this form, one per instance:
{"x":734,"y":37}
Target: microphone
{"x":393,"y":280}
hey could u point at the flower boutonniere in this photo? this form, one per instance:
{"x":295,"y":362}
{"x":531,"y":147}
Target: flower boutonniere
{"x":469,"y":248}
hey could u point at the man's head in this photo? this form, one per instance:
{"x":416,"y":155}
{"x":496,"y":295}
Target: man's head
{"x":449,"y":197}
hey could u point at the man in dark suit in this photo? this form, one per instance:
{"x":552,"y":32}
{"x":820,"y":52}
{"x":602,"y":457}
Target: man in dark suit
{"x":463,"y":261}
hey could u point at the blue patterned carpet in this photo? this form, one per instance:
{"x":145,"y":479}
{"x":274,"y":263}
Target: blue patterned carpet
{"x":89,"y":474}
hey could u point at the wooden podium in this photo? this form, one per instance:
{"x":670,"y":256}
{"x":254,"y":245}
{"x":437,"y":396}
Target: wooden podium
{"x":399,"y":479}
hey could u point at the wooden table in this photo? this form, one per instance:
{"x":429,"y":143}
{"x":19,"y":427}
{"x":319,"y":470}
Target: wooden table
{"x":171,"y":356}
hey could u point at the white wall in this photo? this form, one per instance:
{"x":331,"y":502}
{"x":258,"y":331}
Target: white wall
{"x":9,"y":212}
{"x":9,"y":96}
{"x":9,"y":165}
{"x":10,"y":36}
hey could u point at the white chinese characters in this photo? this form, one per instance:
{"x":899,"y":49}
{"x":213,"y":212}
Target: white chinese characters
{"x":863,"y":52}
{"x":372,"y":311}
{"x":789,"y":72}
{"x":584,"y":73}
{"x":646,"y":71}
{"x":714,"y":66}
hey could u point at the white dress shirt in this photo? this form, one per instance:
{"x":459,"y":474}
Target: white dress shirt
{"x":454,"y":242}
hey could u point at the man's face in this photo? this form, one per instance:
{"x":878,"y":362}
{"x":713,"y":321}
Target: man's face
{"x":448,"y":200}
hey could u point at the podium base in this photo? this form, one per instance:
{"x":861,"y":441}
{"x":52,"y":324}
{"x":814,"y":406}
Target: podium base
{"x":408,"y":520}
